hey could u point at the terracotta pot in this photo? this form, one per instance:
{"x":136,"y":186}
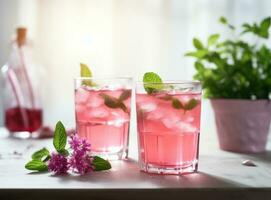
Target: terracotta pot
{"x":242,"y":125}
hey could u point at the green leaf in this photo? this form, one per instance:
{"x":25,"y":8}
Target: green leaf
{"x":197,"y":44}
{"x":100,"y":164}
{"x":123,"y":107}
{"x":109,"y":101}
{"x":264,"y":27}
{"x":176,"y":104}
{"x":199,"y":66}
{"x":192,"y":103}
{"x":85,"y":72}
{"x":265,"y":24}
{"x":223,"y":20}
{"x":36,"y":165}
{"x":113,"y":102}
{"x":40,"y":154}
{"x":125,"y":95}
{"x":64,"y":152}
{"x":152,"y":82}
{"x":213,"y":39}
{"x":60,"y":137}
{"x":198,"y":54}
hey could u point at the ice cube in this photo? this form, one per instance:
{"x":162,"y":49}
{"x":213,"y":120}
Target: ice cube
{"x":186,"y":127}
{"x":81,"y":95}
{"x":98,"y":113}
{"x":117,"y":123}
{"x":154,"y":115}
{"x":189,"y":119}
{"x":94,"y":101}
{"x":118,"y":114}
{"x":170,"y":122}
{"x":148,"y":107}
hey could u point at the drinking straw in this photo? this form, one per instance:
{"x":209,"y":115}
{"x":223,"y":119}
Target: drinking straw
{"x":29,"y":86}
{"x":17,"y":93}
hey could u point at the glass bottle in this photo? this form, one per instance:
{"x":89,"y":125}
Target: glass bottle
{"x":22,"y":105}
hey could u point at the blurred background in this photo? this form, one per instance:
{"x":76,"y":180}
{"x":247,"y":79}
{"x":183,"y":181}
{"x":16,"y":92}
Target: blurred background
{"x":116,"y":38}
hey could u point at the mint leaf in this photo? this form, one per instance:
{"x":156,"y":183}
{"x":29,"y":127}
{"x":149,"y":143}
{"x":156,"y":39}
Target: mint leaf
{"x":113,"y":102}
{"x":125,"y":95}
{"x":36,"y":165}
{"x":100,"y":164}
{"x":60,"y":137}
{"x":197,"y":44}
{"x":177,"y":104}
{"x":40,"y":154}
{"x":123,"y":107}
{"x":152,"y":82}
{"x":213,"y":39}
{"x":192,"y":103}
{"x":110,"y":101}
{"x":86,"y":72}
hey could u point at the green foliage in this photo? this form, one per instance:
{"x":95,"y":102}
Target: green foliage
{"x":100,"y":164}
{"x":60,"y":138}
{"x":152,"y":82}
{"x":36,"y":165}
{"x":235,"y":68}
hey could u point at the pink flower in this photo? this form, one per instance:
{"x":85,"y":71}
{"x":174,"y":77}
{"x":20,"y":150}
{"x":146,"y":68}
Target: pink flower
{"x":58,"y":164}
{"x":80,"y":160}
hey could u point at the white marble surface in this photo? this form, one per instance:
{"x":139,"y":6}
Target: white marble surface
{"x":216,"y":169}
{"x":221,"y":175}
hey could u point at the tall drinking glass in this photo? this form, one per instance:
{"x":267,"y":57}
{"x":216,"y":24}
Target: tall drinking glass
{"x":102,"y":110}
{"x":168,"y":123}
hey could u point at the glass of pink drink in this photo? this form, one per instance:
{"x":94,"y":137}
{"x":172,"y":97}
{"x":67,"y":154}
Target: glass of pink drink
{"x":168,"y":123}
{"x":102,"y":111}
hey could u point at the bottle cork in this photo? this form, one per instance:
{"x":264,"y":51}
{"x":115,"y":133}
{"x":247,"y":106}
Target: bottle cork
{"x":21,"y":36}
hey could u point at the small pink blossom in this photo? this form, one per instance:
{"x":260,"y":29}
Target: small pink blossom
{"x":80,"y":160}
{"x":58,"y":164}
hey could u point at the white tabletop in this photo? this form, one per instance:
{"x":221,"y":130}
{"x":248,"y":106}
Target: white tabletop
{"x":221,"y":174}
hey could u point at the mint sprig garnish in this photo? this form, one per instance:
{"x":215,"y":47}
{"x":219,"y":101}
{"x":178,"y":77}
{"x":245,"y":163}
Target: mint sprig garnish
{"x":152,"y":82}
{"x":113,"y":102}
{"x":190,"y":105}
{"x":43,"y":160}
{"x":85,"y":72}
{"x":176,"y":104}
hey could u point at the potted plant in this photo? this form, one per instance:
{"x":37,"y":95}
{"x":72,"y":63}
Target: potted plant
{"x":236,"y":76}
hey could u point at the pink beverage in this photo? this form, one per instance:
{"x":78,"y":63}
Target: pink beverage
{"x":103,"y":118}
{"x":168,"y":129}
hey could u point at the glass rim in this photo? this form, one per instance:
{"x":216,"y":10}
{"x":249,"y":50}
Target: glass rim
{"x":104,"y":79}
{"x":171,"y":82}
